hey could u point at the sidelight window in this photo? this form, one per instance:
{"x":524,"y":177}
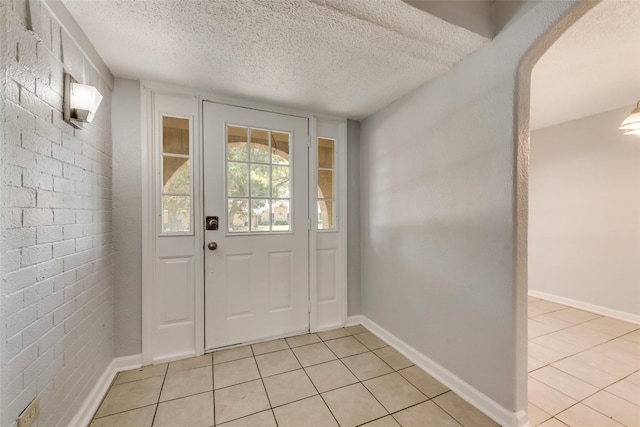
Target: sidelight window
{"x":176,"y":176}
{"x":326,"y":184}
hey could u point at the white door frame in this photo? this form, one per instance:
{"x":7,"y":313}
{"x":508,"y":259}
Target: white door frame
{"x":323,"y":314}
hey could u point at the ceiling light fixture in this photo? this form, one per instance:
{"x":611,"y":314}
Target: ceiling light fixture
{"x":631,"y":125}
{"x":80,"y":102}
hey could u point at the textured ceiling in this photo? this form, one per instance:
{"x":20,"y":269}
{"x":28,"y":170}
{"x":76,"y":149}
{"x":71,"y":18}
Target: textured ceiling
{"x":593,"y":67}
{"x":344,"y":57}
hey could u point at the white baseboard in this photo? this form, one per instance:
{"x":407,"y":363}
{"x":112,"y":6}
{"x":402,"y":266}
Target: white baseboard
{"x":493,"y":410}
{"x":325,"y":328}
{"x":127,"y":362}
{"x":354,"y":320}
{"x":94,"y":398}
{"x":598,"y":309}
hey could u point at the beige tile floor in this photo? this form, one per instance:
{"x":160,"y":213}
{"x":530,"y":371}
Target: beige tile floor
{"x":584,"y":368}
{"x":345,"y":377}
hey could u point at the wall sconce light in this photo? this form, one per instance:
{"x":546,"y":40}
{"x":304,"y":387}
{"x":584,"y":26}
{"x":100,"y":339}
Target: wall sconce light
{"x":80,"y":102}
{"x":631,"y":125}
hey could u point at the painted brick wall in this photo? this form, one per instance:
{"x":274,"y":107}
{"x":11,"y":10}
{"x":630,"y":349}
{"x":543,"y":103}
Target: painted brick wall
{"x":56,"y":265}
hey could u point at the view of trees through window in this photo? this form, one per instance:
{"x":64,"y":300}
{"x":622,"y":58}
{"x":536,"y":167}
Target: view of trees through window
{"x":258,"y":180}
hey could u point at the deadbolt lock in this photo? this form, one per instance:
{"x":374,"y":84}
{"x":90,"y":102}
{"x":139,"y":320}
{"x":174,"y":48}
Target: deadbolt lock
{"x":211,"y":223}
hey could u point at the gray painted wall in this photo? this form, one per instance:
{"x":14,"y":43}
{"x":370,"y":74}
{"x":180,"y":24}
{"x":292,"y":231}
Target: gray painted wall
{"x":438,"y":214}
{"x":353,"y":217}
{"x":127,"y":218}
{"x":584,"y":212}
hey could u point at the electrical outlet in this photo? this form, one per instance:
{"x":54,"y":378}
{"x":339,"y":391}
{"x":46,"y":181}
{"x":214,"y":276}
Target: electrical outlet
{"x":30,"y":414}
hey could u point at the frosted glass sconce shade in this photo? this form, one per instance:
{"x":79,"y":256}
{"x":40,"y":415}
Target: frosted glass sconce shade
{"x":80,"y":102}
{"x":631,"y":125}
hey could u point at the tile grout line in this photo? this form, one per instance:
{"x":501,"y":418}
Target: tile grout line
{"x":445,"y":411}
{"x":127,"y":410}
{"x":570,"y":355}
{"x":316,"y":388}
{"x":372,"y":351}
{"x":164,"y":378}
{"x":264,"y":387}
{"x":213,"y":389}
{"x":598,"y":388}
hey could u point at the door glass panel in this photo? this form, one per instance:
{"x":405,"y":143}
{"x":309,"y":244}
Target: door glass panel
{"x":237,"y":143}
{"x":237,"y":179}
{"x":280,"y":181}
{"x":176,"y":175}
{"x":325,"y":153}
{"x":325,"y":215}
{"x":176,"y":213}
{"x":281,"y":215}
{"x":258,"y":180}
{"x":175,"y":135}
{"x":325,"y":184}
{"x":238,"y":215}
{"x":260,"y":215}
{"x":260,"y":146}
{"x":280,"y":148}
{"x":260,"y":184}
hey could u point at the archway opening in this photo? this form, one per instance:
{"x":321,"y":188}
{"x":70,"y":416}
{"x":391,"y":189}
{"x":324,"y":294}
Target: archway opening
{"x":574,"y":168}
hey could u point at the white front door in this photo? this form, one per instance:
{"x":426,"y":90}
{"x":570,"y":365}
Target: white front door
{"x":257,"y":261}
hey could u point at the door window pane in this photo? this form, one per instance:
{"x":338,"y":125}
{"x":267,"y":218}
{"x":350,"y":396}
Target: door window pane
{"x":325,"y":215}
{"x":280,"y":181}
{"x":325,"y":153}
{"x":237,"y":143}
{"x":260,"y":215}
{"x":281,"y":215}
{"x":238,"y":215}
{"x":175,"y":135}
{"x":177,"y":175}
{"x":325,"y":184}
{"x":280,"y":148}
{"x":176,"y":214}
{"x":260,"y":146}
{"x":237,"y":179}
{"x":260,"y":184}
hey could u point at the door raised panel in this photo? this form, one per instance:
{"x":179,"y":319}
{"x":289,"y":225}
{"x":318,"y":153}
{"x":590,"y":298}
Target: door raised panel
{"x":327,"y":262}
{"x":238,"y":286}
{"x":280,"y":280}
{"x":176,"y":276}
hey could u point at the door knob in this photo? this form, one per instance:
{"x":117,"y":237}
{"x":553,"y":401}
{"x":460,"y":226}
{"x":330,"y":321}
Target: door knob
{"x":212,"y":246}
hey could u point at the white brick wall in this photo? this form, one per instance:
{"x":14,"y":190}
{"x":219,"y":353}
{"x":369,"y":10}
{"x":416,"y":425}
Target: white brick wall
{"x":56,"y":289}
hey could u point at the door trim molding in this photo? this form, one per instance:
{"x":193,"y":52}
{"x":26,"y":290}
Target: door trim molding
{"x":148,"y":89}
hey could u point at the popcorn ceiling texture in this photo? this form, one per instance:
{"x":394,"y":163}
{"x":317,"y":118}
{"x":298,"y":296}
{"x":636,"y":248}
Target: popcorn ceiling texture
{"x":329,"y":56}
{"x":56,"y":287}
